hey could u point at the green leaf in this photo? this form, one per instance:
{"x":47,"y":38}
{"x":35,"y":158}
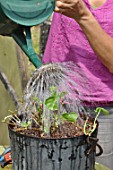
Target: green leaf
{"x":36,"y":99}
{"x":25,"y":125}
{"x":62,"y":94}
{"x":51,"y":103}
{"x":46,"y":129}
{"x":56,"y":117}
{"x":39,"y":109}
{"x":70,"y":117}
{"x":53,"y":89}
{"x":100,"y":109}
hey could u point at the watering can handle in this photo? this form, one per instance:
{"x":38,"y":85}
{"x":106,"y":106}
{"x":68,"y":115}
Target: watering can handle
{"x":25,"y":42}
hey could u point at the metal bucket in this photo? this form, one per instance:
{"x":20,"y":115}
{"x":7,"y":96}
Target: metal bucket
{"x":105,"y":135}
{"x":50,"y":154}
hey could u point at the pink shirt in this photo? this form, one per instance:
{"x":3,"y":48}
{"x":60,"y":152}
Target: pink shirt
{"x":67,"y":42}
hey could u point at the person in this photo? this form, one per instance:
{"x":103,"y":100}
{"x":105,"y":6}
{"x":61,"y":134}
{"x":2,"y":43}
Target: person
{"x":82,"y":32}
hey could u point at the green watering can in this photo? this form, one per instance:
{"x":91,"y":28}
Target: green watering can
{"x":18,"y":16}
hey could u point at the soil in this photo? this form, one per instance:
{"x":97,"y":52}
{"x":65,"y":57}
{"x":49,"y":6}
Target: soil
{"x":67,"y":130}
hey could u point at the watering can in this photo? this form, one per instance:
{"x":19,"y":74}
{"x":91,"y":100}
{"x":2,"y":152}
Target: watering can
{"x":18,"y":16}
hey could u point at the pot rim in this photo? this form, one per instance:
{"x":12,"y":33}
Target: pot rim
{"x":41,"y":138}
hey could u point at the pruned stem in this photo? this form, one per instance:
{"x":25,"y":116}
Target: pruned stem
{"x":10,"y":89}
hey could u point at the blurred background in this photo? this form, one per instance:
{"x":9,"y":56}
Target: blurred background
{"x":17,"y":69}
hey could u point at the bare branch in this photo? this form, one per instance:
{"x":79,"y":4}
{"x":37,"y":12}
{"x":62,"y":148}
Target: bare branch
{"x":10,"y":89}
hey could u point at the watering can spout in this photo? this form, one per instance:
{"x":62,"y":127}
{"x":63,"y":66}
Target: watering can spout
{"x":24,"y":40}
{"x":18,"y":16}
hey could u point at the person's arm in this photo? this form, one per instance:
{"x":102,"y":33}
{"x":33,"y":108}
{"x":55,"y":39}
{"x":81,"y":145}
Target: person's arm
{"x":100,"y":41}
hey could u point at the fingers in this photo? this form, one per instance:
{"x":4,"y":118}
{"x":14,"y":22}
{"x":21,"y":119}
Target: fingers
{"x":65,"y":1}
{"x":61,"y":6}
{"x":59,"y":10}
{"x":72,"y":8}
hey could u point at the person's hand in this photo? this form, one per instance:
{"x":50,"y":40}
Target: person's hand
{"x":72,"y":8}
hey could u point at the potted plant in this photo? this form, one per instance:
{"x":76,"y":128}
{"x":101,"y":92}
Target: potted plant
{"x":62,"y":140}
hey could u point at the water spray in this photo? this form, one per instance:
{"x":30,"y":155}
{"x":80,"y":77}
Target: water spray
{"x":64,"y":76}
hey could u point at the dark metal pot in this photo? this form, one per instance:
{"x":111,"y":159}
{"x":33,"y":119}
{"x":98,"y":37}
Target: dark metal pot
{"x":31,"y":153}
